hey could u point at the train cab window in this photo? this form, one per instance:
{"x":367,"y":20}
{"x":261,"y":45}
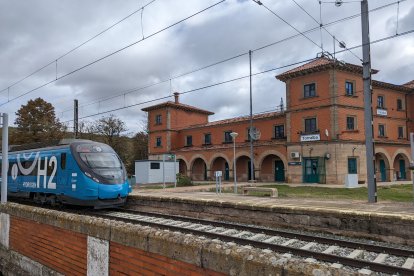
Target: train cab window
{"x":63,"y":161}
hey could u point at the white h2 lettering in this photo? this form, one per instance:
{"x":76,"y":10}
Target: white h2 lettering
{"x":43,"y":172}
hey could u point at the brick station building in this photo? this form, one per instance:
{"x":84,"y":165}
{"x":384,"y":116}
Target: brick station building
{"x":318,"y":138}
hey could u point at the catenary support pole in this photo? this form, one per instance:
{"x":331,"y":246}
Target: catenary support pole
{"x":368,"y":120}
{"x":5,"y":157}
{"x":75,"y":118}
{"x":163,"y":170}
{"x":251,"y":121}
{"x":412,"y":159}
{"x":175,"y":171}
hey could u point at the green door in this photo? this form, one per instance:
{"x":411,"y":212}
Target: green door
{"x":226,"y":171}
{"x":279,"y":171}
{"x":249,"y":172}
{"x":402,"y":169}
{"x":311,"y":174}
{"x":382,"y":170}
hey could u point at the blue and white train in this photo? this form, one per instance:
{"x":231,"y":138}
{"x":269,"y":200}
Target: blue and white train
{"x":75,"y":172}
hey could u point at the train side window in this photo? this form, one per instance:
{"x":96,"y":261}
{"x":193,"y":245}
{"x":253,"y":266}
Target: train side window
{"x":63,"y":161}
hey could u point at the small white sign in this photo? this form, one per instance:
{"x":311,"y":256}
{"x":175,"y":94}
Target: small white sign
{"x":218,"y":173}
{"x":382,"y":112}
{"x":310,"y":137}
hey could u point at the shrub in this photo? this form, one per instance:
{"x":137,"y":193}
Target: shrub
{"x":183,"y":180}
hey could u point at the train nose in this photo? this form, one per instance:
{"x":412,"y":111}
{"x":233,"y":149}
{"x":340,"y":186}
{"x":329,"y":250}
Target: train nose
{"x":112,"y":191}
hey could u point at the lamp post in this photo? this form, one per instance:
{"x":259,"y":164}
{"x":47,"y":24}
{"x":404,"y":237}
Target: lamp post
{"x":233,"y":136}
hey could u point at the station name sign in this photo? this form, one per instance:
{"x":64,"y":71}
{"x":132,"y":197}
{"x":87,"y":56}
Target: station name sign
{"x":382,"y":112}
{"x":310,"y":137}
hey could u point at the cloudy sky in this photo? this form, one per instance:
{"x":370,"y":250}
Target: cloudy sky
{"x":36,"y":33}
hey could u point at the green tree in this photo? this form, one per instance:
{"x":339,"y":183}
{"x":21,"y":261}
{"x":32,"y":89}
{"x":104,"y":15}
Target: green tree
{"x":110,"y":128}
{"x":139,"y":149}
{"x":36,"y":121}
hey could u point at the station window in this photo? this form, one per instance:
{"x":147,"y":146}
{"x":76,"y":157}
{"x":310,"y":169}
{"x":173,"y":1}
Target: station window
{"x":227,"y":137}
{"x":352,"y":165}
{"x":349,"y":88}
{"x":158,"y":119}
{"x":400,"y":104}
{"x":310,"y":125}
{"x":381,"y":102}
{"x":248,"y":134}
{"x":400,"y":132}
{"x":279,"y":132}
{"x":309,"y":90}
{"x":350,"y":123}
{"x":207,"y":138}
{"x":381,"y":130}
{"x":189,"y":140}
{"x":155,"y":166}
{"x":158,"y":142}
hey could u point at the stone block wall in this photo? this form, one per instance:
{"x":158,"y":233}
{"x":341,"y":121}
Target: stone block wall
{"x":37,"y":241}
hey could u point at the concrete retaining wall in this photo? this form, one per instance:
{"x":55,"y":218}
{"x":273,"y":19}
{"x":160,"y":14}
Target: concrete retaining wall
{"x":383,"y":227}
{"x":109,"y":248}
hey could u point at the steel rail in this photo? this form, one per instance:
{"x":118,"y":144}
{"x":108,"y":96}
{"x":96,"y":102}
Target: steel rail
{"x":378,"y":267}
{"x":284,"y":233}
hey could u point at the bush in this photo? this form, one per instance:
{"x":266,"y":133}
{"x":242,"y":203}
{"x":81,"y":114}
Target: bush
{"x":183,"y":180}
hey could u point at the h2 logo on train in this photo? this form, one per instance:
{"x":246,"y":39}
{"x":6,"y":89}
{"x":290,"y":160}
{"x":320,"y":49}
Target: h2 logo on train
{"x":43,"y":166}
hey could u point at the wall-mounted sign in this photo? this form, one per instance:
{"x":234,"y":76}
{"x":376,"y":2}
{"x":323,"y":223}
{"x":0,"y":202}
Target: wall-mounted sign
{"x":382,"y":112}
{"x":310,"y":137}
{"x":295,"y":163}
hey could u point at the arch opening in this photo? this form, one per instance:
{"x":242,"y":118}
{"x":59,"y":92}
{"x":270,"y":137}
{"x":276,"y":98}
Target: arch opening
{"x":272,"y":169}
{"x":382,"y":166}
{"x":199,"y":170}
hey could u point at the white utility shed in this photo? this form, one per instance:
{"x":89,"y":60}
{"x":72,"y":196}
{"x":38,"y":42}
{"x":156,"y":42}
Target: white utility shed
{"x":151,"y":171}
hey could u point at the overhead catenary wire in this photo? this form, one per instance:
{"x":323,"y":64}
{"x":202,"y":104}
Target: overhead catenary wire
{"x":235,"y":79}
{"x":77,"y":47}
{"x":132,"y":90}
{"x":197,"y":89}
{"x":115,"y":52}
{"x":286,"y":22}
{"x":334,"y":22}
{"x":321,"y":26}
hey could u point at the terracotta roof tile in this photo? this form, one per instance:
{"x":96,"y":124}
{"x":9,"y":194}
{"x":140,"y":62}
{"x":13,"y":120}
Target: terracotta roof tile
{"x":320,"y":64}
{"x":239,"y":119}
{"x":409,"y":84}
{"x":403,"y":88}
{"x":178,"y":106}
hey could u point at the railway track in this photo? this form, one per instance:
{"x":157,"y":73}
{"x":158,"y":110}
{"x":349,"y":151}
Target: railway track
{"x":364,"y":255}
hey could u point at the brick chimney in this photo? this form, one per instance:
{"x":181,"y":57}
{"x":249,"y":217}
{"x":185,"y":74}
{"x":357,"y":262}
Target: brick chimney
{"x":176,"y":96}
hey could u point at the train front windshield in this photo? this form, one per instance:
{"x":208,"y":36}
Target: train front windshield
{"x":103,"y":162}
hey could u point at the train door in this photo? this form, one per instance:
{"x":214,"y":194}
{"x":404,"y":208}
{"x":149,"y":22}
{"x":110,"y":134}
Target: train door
{"x":63,"y":180}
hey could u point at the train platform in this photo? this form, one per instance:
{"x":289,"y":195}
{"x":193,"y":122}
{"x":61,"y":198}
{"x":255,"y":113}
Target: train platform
{"x":203,"y":193}
{"x":385,"y":220}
